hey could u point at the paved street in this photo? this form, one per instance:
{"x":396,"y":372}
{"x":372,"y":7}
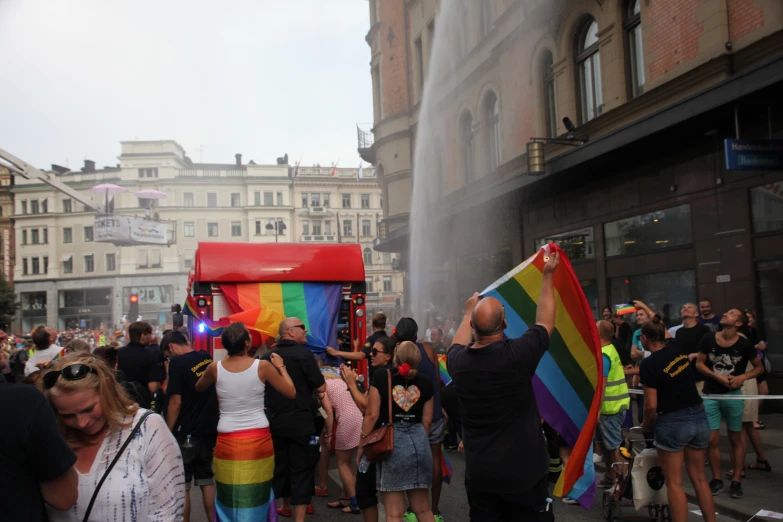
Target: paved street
{"x":453,"y":504}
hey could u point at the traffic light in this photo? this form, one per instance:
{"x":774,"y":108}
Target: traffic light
{"x":133,"y":312}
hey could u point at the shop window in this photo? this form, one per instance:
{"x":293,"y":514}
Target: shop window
{"x":664,"y":292}
{"x":649,"y":233}
{"x":577,"y":244}
{"x":770,"y":274}
{"x":33,"y":301}
{"x":766,"y":204}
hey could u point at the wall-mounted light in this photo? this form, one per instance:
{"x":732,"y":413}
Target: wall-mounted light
{"x":536,"y":158}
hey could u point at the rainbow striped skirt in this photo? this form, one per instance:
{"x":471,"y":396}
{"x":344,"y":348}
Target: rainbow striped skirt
{"x":244,"y":467}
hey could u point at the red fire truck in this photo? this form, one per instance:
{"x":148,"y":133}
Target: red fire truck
{"x":224,"y":264}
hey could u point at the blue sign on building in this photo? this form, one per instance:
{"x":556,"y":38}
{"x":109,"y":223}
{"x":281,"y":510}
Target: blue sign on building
{"x":754,"y":154}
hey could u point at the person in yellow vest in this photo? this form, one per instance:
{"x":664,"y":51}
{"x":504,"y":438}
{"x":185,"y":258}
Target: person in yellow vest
{"x":616,"y":403}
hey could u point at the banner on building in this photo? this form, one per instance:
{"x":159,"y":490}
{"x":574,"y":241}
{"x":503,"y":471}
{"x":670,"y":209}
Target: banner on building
{"x":754,"y":154}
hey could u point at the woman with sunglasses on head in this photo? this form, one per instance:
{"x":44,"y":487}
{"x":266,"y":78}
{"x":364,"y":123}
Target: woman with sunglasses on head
{"x":244,"y":454}
{"x":128,"y":462}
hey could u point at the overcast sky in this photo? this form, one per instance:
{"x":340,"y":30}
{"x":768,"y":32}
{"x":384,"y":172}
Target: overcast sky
{"x":259,"y":77}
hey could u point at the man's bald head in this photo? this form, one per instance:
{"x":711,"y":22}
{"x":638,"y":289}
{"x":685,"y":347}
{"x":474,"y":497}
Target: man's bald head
{"x":293,"y":328}
{"x":605,"y":331}
{"x":489,"y":317}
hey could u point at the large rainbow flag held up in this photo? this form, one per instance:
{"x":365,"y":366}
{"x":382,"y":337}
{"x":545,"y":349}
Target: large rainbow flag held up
{"x":569,"y":380}
{"x":261,"y":306}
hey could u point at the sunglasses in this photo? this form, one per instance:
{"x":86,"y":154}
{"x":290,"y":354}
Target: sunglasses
{"x":375,"y":352}
{"x":74,"y":372}
{"x":303,"y":327}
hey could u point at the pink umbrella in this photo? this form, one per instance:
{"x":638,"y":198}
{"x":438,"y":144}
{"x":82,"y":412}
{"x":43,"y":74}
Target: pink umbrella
{"x":106,"y":189}
{"x":151,"y":194}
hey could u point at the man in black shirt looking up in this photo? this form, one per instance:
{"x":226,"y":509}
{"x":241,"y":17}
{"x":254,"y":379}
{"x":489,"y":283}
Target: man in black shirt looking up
{"x":506,"y":458}
{"x":688,"y":338}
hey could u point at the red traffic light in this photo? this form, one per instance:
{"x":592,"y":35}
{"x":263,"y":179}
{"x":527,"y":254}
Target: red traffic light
{"x":134,"y":298}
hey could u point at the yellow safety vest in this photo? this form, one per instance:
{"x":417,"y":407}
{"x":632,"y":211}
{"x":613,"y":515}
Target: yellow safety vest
{"x":616,"y":393}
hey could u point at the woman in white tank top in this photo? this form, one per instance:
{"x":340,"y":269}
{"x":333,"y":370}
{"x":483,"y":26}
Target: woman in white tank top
{"x":243,"y":429}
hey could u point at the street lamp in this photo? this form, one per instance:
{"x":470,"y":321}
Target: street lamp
{"x":277,"y":225}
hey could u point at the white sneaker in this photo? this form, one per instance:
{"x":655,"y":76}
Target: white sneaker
{"x":597,"y":459}
{"x":569,"y":501}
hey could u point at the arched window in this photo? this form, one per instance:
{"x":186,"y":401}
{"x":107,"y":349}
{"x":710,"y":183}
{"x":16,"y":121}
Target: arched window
{"x":588,"y":62}
{"x":550,"y":103}
{"x":367,"y":256}
{"x":633,"y":35}
{"x":492,"y":124}
{"x":466,"y":142}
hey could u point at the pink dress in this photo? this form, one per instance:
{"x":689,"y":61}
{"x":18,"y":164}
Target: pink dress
{"x":347,"y":414}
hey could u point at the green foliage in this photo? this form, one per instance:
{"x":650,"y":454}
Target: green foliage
{"x":8,"y":303}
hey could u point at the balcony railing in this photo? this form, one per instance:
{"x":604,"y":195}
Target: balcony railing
{"x":366,"y":139}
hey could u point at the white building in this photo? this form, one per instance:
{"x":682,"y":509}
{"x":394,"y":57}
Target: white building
{"x":346,"y":208}
{"x":64,"y":278}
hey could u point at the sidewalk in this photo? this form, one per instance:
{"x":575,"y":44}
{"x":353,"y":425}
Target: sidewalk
{"x":763,"y":490}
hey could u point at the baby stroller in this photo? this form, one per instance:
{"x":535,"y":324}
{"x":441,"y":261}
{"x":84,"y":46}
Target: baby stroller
{"x":618,"y":501}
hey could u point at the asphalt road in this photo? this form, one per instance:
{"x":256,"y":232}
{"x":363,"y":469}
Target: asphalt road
{"x":453,"y":503}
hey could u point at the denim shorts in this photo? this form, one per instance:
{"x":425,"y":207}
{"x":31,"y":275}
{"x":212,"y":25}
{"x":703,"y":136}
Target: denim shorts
{"x":610,"y":429}
{"x":680,"y":429}
{"x":728,"y":410}
{"x":410,"y":464}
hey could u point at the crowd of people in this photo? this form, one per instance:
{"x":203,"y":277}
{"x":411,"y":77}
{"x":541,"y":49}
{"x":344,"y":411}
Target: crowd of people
{"x":113,"y":431}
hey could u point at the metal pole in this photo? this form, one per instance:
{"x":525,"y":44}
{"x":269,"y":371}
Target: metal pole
{"x":736,"y":122}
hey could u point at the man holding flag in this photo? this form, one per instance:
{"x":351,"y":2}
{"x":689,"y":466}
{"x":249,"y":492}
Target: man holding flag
{"x":505,"y":449}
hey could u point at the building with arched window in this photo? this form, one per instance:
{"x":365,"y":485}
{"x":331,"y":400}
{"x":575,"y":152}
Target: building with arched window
{"x":643,"y":201}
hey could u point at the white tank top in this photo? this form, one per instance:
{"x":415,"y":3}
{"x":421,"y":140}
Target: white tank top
{"x":241,"y":399}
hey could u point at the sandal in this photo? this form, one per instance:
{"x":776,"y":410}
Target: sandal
{"x":761,"y":465}
{"x":338,"y":504}
{"x":352,"y":509}
{"x":731,"y":473}
{"x":283,"y":511}
{"x":759,"y":425}
{"x":321,"y":492}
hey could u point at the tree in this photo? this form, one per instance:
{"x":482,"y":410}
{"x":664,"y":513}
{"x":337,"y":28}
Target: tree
{"x":8,"y":303}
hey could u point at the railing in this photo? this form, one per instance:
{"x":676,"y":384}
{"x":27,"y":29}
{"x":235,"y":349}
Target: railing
{"x":212,"y":173}
{"x":365,"y":135}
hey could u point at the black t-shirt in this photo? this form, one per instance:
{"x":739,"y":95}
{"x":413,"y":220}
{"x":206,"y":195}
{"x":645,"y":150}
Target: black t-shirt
{"x":198,"y":414}
{"x":505,"y":448}
{"x":668,"y":371}
{"x":408,"y":397}
{"x":688,"y":340}
{"x":725,"y":361}
{"x":31,"y":451}
{"x":154,"y":350}
{"x":138,"y":364}
{"x":293,"y":417}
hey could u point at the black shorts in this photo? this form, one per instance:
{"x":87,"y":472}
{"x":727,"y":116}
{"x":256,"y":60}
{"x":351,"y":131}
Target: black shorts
{"x":295,"y":462}
{"x":527,"y":506}
{"x":198,"y":468}
{"x":366,"y":490}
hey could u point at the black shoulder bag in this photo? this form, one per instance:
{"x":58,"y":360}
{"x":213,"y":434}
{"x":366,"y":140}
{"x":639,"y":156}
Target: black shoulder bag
{"x":113,"y":462}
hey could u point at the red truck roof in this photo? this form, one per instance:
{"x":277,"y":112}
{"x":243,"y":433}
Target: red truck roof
{"x":277,"y":262}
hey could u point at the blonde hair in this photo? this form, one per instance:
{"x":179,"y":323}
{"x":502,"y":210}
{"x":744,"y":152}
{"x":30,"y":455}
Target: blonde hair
{"x":76,"y":346}
{"x":116,"y":405}
{"x":408,"y":352}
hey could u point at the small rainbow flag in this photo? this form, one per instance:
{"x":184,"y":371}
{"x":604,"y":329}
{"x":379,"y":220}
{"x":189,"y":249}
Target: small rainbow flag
{"x":445,"y":466}
{"x":214,"y":328}
{"x":624,"y":309}
{"x":569,"y":381}
{"x":445,"y":378}
{"x":60,"y":355}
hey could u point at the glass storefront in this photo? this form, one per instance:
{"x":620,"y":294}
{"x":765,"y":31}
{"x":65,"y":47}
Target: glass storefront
{"x":664,"y":292}
{"x":771,"y":313}
{"x":577,"y":244}
{"x":649,"y":232}
{"x":590,"y":288}
{"x":160,"y":294}
{"x":766,"y":205}
{"x":85,"y":308}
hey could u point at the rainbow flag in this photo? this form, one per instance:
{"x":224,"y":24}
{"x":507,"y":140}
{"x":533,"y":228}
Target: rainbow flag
{"x":316,"y":304}
{"x":213,"y":328}
{"x":445,"y":378}
{"x":569,"y":380}
{"x":244,"y":465}
{"x":445,"y":466}
{"x":624,"y":309}
{"x":60,"y":355}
